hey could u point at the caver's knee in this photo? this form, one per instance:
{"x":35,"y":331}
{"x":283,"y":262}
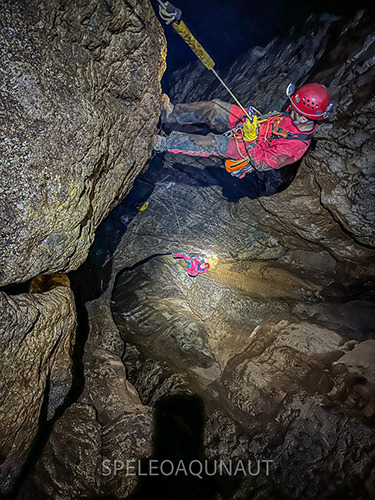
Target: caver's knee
{"x":211,"y":143}
{"x":203,"y":141}
{"x":220,"y":105}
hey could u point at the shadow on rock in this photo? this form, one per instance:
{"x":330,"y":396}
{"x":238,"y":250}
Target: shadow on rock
{"x":206,"y":172}
{"x":178,"y":447}
{"x":179,"y":469}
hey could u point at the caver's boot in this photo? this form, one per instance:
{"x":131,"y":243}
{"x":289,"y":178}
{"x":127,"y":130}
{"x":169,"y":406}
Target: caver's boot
{"x":166,"y":108}
{"x":160,"y":144}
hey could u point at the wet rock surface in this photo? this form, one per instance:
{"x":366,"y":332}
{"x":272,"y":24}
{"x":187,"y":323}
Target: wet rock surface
{"x":272,"y":346}
{"x":81,"y":100}
{"x":37,"y":338}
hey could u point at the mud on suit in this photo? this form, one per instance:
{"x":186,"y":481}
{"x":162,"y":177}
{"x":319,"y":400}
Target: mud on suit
{"x":266,"y":153}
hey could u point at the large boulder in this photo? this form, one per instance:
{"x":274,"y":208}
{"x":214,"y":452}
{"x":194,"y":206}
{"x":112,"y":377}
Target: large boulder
{"x":81,"y":99}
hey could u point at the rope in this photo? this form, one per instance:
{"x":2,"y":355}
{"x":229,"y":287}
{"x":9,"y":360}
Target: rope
{"x":169,"y":14}
{"x":234,"y":97}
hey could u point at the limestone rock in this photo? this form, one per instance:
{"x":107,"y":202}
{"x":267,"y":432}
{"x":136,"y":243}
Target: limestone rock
{"x":318,"y":452}
{"x":36,"y":341}
{"x":354,"y":378}
{"x":106,"y":386}
{"x":304,"y":435}
{"x":331,"y":203}
{"x":81,"y":93}
{"x":88,"y":448}
{"x":128,"y":440}
{"x":277,"y":362}
{"x":104,"y":333}
{"x":75,"y":443}
{"x":154,"y":380}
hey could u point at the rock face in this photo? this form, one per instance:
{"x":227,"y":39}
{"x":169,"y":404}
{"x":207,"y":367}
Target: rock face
{"x":331,"y":202}
{"x":88,"y":449}
{"x":80,"y":91}
{"x":36,"y":342}
{"x":277,"y":335}
{"x":81,"y":100}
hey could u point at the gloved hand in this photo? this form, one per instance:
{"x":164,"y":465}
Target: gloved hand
{"x":241,"y":173}
{"x":250,"y":129}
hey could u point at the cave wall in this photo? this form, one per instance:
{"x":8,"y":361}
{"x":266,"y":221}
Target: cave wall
{"x":81,"y":100}
{"x":37,"y":338}
{"x":80,"y":92}
{"x":331,"y":202}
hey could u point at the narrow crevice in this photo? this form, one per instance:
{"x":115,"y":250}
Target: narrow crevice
{"x":45,"y":426}
{"x":141,"y":262}
{"x":16,"y":288}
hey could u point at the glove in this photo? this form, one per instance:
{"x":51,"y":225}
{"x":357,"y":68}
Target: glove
{"x":250,"y":129}
{"x":241,"y":173}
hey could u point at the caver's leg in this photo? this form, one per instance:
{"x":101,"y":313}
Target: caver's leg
{"x":193,"y":144}
{"x":211,"y":113}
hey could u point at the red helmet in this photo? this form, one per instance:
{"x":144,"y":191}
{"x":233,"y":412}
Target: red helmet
{"x":311,"y":100}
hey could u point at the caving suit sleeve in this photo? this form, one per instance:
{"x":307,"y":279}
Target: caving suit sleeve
{"x":276,"y":154}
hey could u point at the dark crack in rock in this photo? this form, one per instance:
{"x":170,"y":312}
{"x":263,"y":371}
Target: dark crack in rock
{"x":76,"y":443}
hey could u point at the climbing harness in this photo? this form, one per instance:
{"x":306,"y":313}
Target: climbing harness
{"x":280,"y":133}
{"x":172,"y":15}
{"x":195,"y":264}
{"x":273,"y":119}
